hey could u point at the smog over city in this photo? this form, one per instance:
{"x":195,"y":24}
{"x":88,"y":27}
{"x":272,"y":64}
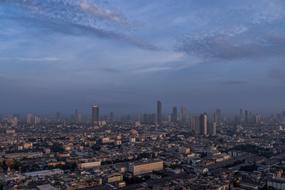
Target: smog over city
{"x":142,"y":94}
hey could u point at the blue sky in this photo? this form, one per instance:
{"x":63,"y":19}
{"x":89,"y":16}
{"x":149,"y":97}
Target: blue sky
{"x":58,"y":55}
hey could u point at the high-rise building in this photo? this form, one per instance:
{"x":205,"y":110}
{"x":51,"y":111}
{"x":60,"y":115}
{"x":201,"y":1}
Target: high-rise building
{"x":195,"y":124}
{"x":158,"y":112}
{"x":95,"y":115}
{"x":213,"y":129}
{"x":184,"y":114}
{"x":204,"y":124}
{"x":174,"y":115}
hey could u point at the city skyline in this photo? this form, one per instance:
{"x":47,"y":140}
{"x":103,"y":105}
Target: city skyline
{"x":159,"y":108}
{"x":142,"y":94}
{"x":59,"y":55}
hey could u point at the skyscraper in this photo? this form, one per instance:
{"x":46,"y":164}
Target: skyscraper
{"x":195,"y":124}
{"x":214,"y":129}
{"x":174,"y":115}
{"x":158,"y":112}
{"x":184,"y":114}
{"x":204,"y":124}
{"x":95,"y":115}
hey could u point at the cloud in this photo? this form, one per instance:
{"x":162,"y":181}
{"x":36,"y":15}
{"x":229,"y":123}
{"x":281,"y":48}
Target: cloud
{"x":31,"y":59}
{"x":239,"y":30}
{"x":76,"y":18}
{"x":258,"y":41}
{"x":99,"y":12}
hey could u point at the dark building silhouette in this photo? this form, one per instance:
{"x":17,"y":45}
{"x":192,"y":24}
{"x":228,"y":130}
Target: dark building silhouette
{"x":174,"y":115}
{"x":95,"y":115}
{"x":204,"y":124}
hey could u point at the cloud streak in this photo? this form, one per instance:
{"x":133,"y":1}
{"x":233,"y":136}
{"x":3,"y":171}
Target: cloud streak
{"x":78,"y":18}
{"x":31,"y":59}
{"x":99,"y":12}
{"x":247,"y":30}
{"x":243,"y":45}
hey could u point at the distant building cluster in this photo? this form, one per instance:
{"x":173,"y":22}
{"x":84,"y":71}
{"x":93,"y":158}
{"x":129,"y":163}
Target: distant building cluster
{"x":160,"y":150}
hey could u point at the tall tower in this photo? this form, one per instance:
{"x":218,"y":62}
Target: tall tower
{"x":184,"y":114}
{"x":214,"y":129}
{"x":204,"y":124}
{"x":174,"y":115}
{"x":95,"y":115}
{"x":195,"y":124}
{"x":158,"y":112}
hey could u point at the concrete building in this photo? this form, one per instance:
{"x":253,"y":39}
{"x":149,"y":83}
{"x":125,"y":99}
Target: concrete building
{"x":89,"y":165}
{"x":204,"y":124}
{"x":174,"y":115}
{"x":146,"y":167}
{"x":95,"y":115}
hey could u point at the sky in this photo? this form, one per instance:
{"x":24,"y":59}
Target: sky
{"x":59,"y":55}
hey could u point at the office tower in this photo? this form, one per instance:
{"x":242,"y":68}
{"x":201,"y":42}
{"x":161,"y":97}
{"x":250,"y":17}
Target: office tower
{"x":174,"y":115}
{"x":95,"y":115}
{"x":195,"y":124}
{"x":213,"y":131}
{"x":184,"y":114}
{"x":204,"y":124}
{"x":158,"y":112}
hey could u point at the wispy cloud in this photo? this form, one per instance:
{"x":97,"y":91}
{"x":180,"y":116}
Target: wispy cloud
{"x":31,"y":59}
{"x":244,"y":45}
{"x":94,"y":9}
{"x":256,"y":33}
{"x":78,"y":18}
